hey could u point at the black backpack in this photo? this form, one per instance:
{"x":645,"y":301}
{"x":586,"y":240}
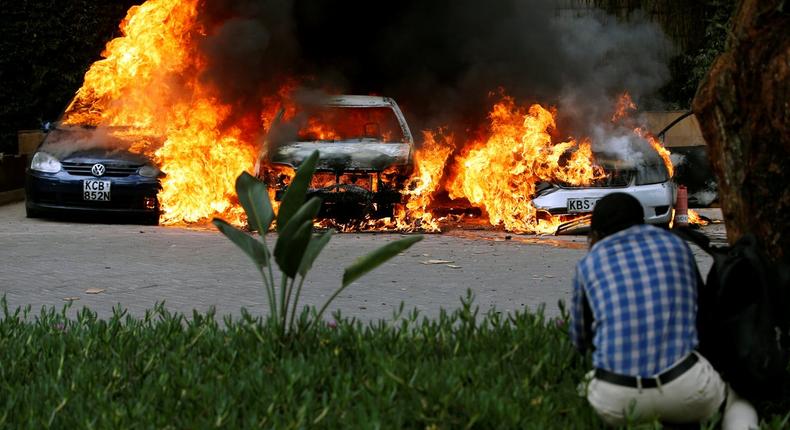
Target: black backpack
{"x":743,"y":317}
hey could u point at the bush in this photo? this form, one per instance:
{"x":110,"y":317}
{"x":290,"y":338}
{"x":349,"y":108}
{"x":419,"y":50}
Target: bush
{"x":164,"y":370}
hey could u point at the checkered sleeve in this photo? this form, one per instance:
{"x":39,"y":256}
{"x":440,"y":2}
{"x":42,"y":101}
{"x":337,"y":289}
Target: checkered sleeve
{"x":576,"y":327}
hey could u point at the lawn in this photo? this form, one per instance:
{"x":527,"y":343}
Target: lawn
{"x":462,"y":370}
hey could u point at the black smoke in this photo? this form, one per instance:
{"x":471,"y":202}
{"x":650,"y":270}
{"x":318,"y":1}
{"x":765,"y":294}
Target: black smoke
{"x":440,"y":59}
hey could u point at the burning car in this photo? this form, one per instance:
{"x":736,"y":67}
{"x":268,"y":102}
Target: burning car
{"x":81,"y":170}
{"x":646,"y":178}
{"x":365,"y":160}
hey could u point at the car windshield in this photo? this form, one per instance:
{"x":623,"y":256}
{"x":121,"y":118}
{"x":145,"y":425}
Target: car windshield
{"x":340,"y":123}
{"x":648,"y":168}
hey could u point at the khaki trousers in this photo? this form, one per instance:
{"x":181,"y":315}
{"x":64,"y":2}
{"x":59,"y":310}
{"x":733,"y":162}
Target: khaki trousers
{"x":693,"y":397}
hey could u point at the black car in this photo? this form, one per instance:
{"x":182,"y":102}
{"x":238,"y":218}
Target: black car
{"x":78,"y":170}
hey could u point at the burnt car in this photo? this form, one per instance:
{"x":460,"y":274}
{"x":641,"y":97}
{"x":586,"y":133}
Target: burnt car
{"x":365,"y":154}
{"x":644,"y":176}
{"x":83,"y":171}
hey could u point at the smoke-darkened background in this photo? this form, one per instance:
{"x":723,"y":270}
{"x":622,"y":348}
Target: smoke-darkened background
{"x":439,"y":59}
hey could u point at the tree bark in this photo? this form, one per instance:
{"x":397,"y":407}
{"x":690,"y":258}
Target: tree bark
{"x":743,"y":107}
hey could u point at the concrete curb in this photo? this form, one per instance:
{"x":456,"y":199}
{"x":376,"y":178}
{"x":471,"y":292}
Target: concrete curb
{"x":12,"y":196}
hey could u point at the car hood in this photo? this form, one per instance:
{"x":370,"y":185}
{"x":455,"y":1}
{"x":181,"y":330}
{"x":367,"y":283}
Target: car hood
{"x":342,"y":156}
{"x":105,"y":156}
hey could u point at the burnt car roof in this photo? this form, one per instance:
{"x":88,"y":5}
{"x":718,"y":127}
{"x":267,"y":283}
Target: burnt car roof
{"x":358,"y":101}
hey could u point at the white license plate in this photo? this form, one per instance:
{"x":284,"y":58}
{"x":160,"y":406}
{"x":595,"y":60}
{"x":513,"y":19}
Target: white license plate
{"x":581,"y":205}
{"x":96,"y":190}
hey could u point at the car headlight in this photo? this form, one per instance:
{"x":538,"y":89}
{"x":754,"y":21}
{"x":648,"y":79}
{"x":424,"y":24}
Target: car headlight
{"x":149,"y":171}
{"x":44,"y":162}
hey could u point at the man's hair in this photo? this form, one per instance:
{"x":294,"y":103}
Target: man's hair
{"x":616,"y":212}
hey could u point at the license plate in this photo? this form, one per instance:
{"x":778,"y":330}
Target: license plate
{"x":95,"y":190}
{"x":581,"y":205}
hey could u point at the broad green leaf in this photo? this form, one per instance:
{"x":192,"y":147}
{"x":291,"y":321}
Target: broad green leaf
{"x":254,"y":198}
{"x":252,"y":247}
{"x":314,"y":248}
{"x":291,"y":251}
{"x":295,"y":194}
{"x":288,"y":242}
{"x":307,"y":212}
{"x":369,"y":262}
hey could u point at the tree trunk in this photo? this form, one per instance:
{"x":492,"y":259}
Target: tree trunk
{"x":743,"y":107}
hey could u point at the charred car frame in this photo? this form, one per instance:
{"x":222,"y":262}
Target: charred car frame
{"x":365,"y":160}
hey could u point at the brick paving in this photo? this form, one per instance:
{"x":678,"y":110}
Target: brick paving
{"x":43,"y":262}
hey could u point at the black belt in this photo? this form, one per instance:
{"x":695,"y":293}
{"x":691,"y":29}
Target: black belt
{"x":649,"y":381}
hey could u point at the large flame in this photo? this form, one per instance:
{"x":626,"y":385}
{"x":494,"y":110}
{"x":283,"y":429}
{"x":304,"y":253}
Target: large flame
{"x":499,"y":173}
{"x":148,"y":84}
{"x":429,"y":162}
{"x":148,"y":81}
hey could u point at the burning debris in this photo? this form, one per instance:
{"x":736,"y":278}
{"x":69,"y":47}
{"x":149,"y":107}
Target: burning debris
{"x":175,"y":74}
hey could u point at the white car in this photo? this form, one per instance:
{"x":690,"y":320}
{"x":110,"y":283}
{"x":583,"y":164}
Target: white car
{"x":647,"y":180}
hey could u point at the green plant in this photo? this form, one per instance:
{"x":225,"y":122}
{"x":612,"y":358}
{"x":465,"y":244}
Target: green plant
{"x":68,"y":368}
{"x":296,"y":247}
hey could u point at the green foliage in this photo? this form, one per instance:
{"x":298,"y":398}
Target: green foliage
{"x":168,"y":371}
{"x":296,"y":247}
{"x":164,"y":370}
{"x":260,"y":212}
{"x":295,"y":195}
{"x":718,"y":23}
{"x":691,"y":66}
{"x":697,"y":28}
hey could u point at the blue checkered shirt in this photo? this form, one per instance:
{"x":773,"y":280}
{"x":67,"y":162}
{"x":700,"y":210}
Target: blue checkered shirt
{"x":641,"y":285}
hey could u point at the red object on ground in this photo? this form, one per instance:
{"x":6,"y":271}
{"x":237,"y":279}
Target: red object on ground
{"x":682,"y":207}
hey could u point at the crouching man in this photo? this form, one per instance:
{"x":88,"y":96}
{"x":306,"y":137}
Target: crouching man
{"x":634,"y":304}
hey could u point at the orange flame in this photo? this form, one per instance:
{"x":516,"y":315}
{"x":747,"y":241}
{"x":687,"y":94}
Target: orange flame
{"x":429,"y":163}
{"x":624,"y":105}
{"x":148,"y":81}
{"x":659,"y":147}
{"x":499,"y":173}
{"x":695,"y":218}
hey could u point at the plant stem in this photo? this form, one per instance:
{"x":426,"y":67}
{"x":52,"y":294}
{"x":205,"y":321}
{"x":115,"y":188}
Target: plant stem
{"x":326,"y":304}
{"x":287,"y":302}
{"x":269,"y":294}
{"x":295,"y":302}
{"x":283,"y":285}
{"x":270,"y":285}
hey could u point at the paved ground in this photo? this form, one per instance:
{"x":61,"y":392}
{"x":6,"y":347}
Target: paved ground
{"x":48,"y":263}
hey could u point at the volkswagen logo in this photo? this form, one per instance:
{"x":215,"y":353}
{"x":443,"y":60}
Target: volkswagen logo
{"x":98,"y":169}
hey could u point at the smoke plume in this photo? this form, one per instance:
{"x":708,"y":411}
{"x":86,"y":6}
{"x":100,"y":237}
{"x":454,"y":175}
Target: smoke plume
{"x":440,"y":60}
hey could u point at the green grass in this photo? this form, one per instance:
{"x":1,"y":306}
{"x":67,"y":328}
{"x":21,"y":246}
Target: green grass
{"x":167,"y":371}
